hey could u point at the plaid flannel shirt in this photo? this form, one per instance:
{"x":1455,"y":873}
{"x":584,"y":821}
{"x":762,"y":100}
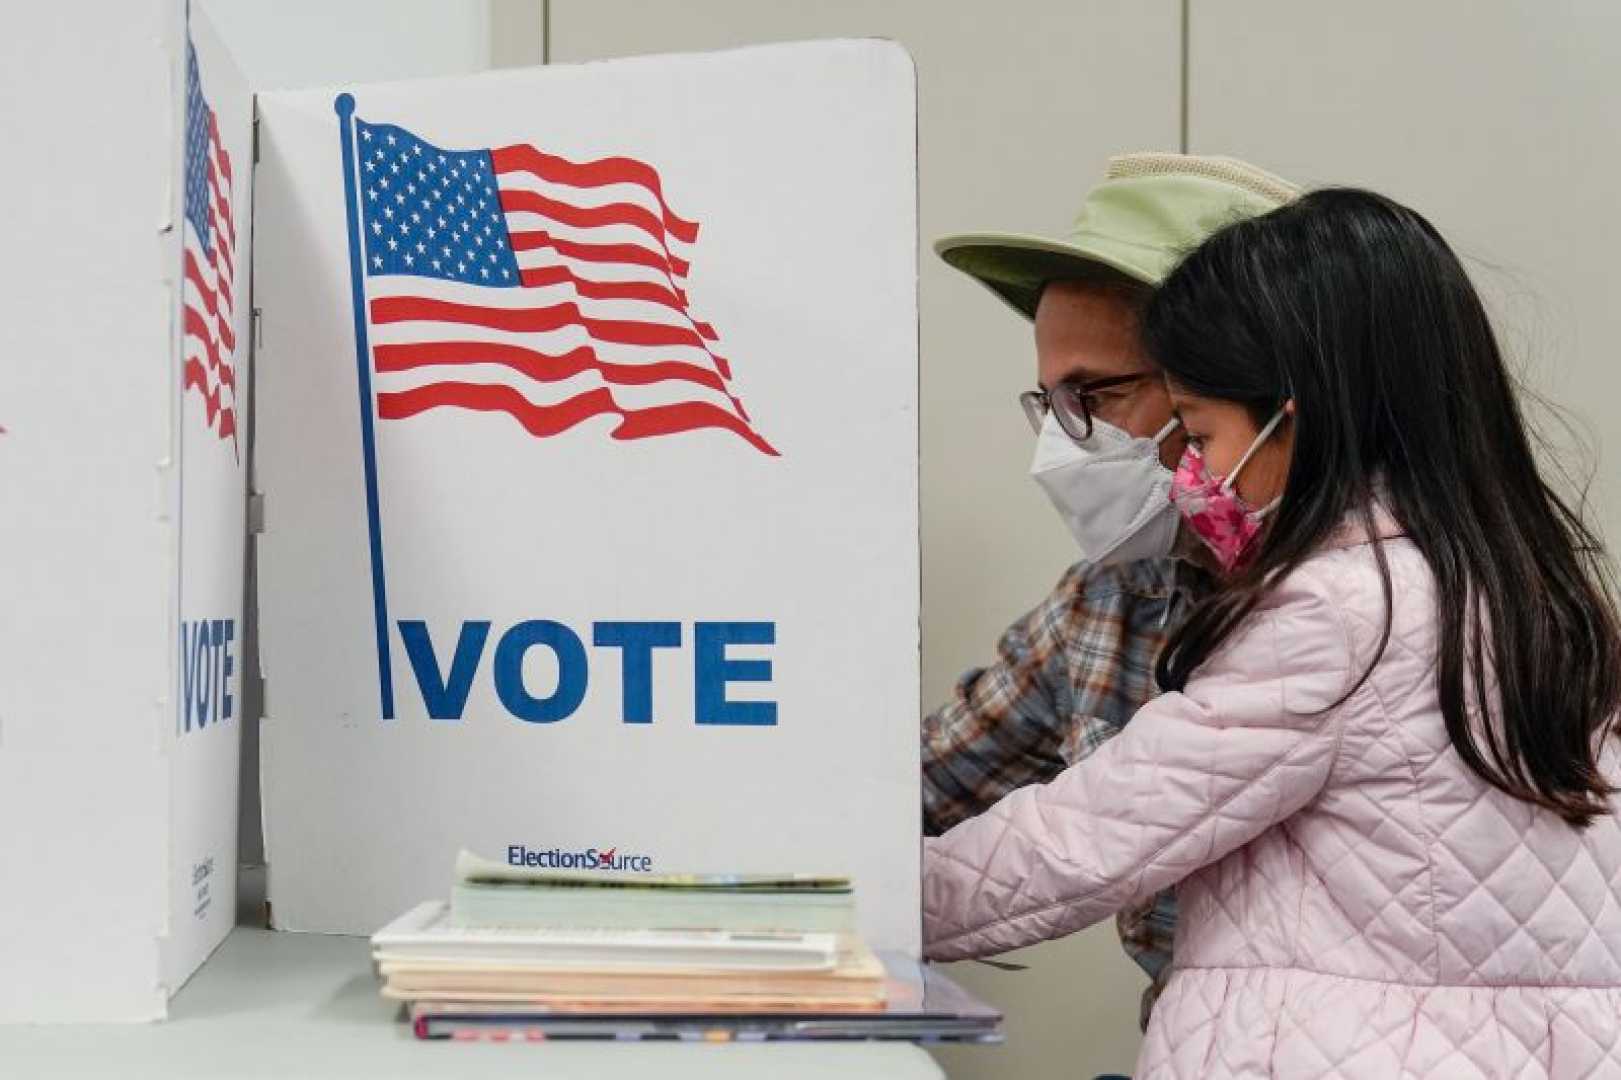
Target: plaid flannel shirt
{"x":1067,"y":677}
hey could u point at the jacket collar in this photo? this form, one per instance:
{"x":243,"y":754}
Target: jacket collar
{"x":1353,"y":530}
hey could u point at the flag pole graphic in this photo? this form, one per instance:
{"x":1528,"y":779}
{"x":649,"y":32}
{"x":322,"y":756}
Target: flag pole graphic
{"x":345,"y":106}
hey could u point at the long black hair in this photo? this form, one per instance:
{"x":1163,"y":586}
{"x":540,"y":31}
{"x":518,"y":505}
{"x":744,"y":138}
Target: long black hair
{"x":1354,"y":306}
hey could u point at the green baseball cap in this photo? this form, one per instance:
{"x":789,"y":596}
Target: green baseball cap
{"x":1150,"y":210}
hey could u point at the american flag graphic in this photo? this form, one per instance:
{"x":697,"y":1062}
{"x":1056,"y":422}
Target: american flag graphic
{"x":515,"y":281}
{"x":208,"y":289}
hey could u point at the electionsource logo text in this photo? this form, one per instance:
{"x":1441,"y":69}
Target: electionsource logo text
{"x":589,"y":859}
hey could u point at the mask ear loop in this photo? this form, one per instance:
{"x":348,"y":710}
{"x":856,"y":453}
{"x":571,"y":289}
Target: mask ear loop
{"x":1165,"y":432}
{"x":1271,"y":426}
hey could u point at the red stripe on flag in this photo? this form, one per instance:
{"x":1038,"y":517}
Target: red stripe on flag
{"x":542,"y":367}
{"x":221,"y":209}
{"x":591,"y":289}
{"x":600,"y":173}
{"x":534,"y":239}
{"x":194,"y":274}
{"x":223,"y":263}
{"x":220,"y":312}
{"x":687,"y":416}
{"x":226,"y":302}
{"x":542,"y":420}
{"x":537,"y":320}
{"x":586,"y":217}
{"x":630,"y":332}
{"x":214,"y":138}
{"x":198,"y":327}
{"x":547,"y":420}
{"x":197,"y":379}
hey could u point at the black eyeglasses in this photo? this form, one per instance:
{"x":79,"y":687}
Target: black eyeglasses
{"x":1072,"y":403}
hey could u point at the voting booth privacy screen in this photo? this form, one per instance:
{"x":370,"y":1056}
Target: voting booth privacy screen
{"x":583,"y":406}
{"x":123,"y":460}
{"x":587,"y":438}
{"x":213,"y":324}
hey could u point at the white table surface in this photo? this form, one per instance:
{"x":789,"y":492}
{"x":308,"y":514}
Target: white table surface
{"x":306,"y":1005}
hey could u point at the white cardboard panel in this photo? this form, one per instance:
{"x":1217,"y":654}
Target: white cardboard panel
{"x":211,"y":437}
{"x":798,"y":163}
{"x":84,"y":623}
{"x":99,"y":794}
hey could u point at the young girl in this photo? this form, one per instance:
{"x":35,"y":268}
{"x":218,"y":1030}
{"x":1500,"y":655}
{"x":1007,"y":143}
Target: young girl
{"x":1384,"y":774}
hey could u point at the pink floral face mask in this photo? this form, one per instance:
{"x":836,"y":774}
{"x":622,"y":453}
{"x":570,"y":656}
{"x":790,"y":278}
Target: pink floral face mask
{"x":1213,"y":508}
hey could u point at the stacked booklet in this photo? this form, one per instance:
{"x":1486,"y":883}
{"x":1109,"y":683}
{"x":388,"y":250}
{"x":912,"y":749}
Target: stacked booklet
{"x":542,"y":953}
{"x":490,"y":894}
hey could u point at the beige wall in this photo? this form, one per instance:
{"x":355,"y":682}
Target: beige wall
{"x":1501,"y":122}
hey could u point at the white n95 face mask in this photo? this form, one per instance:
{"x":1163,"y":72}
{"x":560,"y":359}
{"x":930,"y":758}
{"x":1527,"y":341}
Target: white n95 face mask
{"x":1111,"y":490}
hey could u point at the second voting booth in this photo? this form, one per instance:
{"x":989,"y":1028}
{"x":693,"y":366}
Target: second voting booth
{"x":580,"y":407}
{"x":124,"y":408}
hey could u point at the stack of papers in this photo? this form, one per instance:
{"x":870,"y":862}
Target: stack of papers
{"x":536,"y":953}
{"x":492,"y":894}
{"x":424,"y":958}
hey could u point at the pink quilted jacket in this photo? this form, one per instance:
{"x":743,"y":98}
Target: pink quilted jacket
{"x":1354,"y":901}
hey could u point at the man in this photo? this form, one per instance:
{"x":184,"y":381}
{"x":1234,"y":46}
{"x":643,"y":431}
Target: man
{"x":1073,"y":671}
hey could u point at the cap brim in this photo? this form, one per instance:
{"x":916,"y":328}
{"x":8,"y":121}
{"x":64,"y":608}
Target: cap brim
{"x":1017,"y":267}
